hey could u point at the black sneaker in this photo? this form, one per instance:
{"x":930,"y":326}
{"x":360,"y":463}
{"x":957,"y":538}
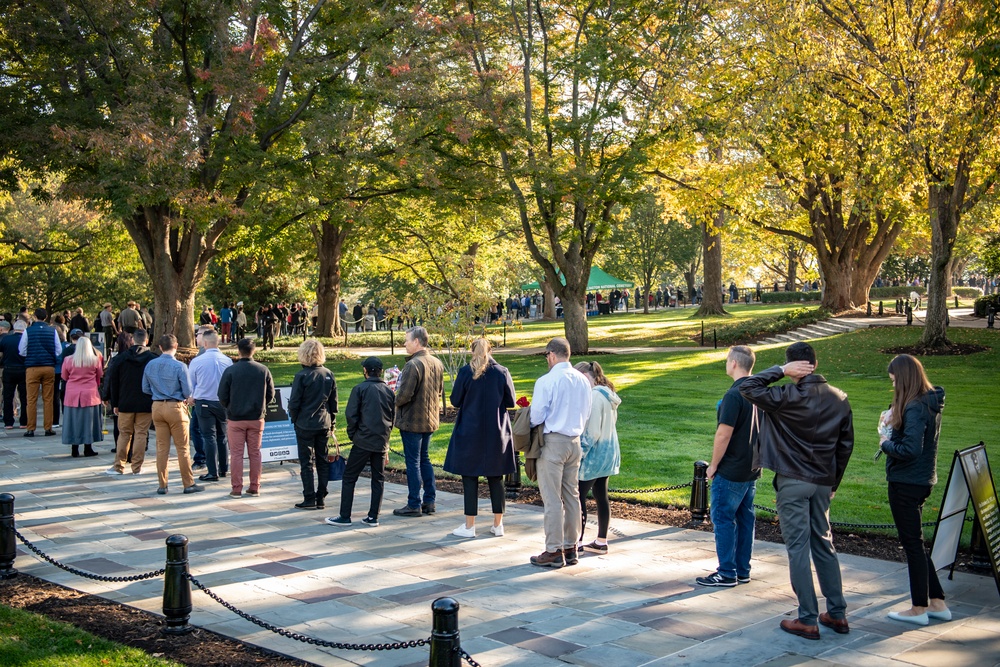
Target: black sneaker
{"x":428,"y":508}
{"x":368,"y":521}
{"x":407,"y":511}
{"x":311,"y":505}
{"x":716,"y":579}
{"x":743,"y":580}
{"x":338,"y":521}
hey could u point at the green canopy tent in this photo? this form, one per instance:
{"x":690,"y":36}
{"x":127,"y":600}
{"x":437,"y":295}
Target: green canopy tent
{"x":599,"y":279}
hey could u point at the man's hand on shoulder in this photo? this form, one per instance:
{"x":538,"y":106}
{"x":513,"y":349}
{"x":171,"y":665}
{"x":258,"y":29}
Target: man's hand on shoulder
{"x":797,"y":369}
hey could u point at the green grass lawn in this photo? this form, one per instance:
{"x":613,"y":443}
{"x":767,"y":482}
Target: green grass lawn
{"x":30,"y":639}
{"x":667,"y":417}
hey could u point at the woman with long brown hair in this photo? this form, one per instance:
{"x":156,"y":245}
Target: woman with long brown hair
{"x":911,"y":471}
{"x":481,"y":444}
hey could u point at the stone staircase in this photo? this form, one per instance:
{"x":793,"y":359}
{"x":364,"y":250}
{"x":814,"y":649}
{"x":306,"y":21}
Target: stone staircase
{"x":813,"y":331}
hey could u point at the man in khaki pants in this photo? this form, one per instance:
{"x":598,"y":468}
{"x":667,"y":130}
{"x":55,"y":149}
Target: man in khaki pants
{"x":166,"y":380}
{"x":561,"y":401}
{"x":40,"y":348}
{"x":133,"y":407}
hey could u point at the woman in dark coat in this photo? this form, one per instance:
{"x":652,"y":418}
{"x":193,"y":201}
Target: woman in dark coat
{"x":481,"y":443}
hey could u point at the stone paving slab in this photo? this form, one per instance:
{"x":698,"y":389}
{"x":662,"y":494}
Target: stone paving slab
{"x":636,"y":605}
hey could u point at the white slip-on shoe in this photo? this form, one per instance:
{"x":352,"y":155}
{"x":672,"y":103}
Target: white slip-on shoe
{"x":497,"y":530}
{"x":462,"y":531}
{"x":939,"y":615}
{"x":920,"y":619}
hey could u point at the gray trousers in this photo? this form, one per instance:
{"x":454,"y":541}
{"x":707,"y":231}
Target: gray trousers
{"x":804,"y":513}
{"x":558,"y":468}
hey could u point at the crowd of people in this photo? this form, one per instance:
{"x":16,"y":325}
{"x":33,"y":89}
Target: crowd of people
{"x":803,"y":431}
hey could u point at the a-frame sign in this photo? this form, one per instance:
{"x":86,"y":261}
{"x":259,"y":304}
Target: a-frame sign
{"x":975,"y":482}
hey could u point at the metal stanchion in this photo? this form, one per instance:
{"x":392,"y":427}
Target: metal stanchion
{"x":909,"y":315}
{"x":869,"y":309}
{"x":177,"y":587}
{"x":8,"y":541}
{"x":392,"y":340}
{"x":881,"y":310}
{"x":445,"y":644}
{"x":699,"y":493}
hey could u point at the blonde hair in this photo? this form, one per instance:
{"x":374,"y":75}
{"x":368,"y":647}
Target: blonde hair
{"x":84,"y":356}
{"x":480,"y":357}
{"x":594,"y":370}
{"x":312,"y":353}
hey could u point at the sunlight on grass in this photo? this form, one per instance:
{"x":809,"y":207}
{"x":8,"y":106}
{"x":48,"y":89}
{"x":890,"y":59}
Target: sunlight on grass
{"x":667,"y":418}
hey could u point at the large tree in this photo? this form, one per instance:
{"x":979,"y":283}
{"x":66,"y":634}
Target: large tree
{"x":574,"y":95}
{"x":169,"y":113}
{"x":924,"y":73}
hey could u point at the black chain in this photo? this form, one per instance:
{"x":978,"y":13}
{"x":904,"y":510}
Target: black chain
{"x":304,"y":638}
{"x":837,"y":524}
{"x":468,"y":658}
{"x":658,"y":489}
{"x":80,"y":573}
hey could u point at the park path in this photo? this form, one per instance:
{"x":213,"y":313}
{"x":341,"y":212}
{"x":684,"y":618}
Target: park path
{"x":635,"y":606}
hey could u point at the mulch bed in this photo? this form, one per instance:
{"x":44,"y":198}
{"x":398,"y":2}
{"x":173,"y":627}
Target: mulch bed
{"x":134,"y":627}
{"x":954,"y":349}
{"x":203,"y":648}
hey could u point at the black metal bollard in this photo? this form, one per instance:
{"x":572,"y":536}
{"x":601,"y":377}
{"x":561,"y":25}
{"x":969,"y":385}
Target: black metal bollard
{"x":512,"y":481}
{"x":869,"y":309}
{"x":8,"y":541}
{"x":177,"y":587}
{"x":505,"y":333}
{"x":909,"y":315}
{"x":445,"y":644}
{"x":881,"y":311}
{"x":715,"y":339}
{"x":392,"y":341}
{"x":956,"y":301}
{"x":990,"y":316}
{"x":703,"y":333}
{"x":699,"y":493}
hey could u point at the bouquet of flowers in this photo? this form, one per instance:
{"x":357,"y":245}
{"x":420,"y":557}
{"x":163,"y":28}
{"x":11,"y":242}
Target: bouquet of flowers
{"x":884,"y":428}
{"x":523,"y":402}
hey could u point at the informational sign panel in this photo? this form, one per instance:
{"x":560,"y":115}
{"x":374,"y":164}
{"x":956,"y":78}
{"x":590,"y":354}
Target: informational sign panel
{"x":97,"y":340}
{"x":278,"y":441}
{"x":975,"y":483}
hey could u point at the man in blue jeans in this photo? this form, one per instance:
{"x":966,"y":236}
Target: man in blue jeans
{"x":418,"y":400}
{"x":734,"y":477}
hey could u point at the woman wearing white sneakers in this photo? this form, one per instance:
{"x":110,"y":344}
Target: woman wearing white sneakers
{"x":481,"y":444}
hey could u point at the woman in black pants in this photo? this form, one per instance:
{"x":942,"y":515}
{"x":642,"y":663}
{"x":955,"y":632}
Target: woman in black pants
{"x":911,"y":470}
{"x":312,"y":407}
{"x":481,"y":444}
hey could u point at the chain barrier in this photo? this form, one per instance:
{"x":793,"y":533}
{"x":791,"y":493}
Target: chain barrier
{"x":658,"y":489}
{"x":295,"y":636}
{"x":468,"y":658}
{"x":403,"y":456}
{"x":80,"y":573}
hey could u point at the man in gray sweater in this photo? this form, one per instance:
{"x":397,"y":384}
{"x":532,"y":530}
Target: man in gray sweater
{"x":245,"y":410}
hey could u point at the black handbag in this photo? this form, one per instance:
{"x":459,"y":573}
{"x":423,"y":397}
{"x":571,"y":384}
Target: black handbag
{"x":337,"y":464}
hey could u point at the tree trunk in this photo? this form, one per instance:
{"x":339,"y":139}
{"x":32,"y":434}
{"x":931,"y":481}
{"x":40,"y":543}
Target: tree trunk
{"x":838,"y":278}
{"x":793,"y":267}
{"x":645,"y":299}
{"x":689,"y":278}
{"x":711,"y":301}
{"x":175,"y":254}
{"x":548,"y":301}
{"x":575,"y":322}
{"x":329,"y":239}
{"x":944,"y":205}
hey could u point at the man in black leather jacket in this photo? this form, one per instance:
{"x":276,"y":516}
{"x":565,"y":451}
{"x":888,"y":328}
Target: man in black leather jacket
{"x":806,"y":438}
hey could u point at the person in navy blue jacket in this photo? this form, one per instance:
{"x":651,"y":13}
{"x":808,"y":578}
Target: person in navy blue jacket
{"x":481,"y":444}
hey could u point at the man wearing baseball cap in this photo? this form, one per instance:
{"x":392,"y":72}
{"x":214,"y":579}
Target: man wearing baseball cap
{"x":370,"y":413}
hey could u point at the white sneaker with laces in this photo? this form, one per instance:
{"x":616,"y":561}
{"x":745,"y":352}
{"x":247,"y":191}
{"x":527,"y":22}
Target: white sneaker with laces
{"x":112,"y":472}
{"x":462,"y":531}
{"x":497,"y":530}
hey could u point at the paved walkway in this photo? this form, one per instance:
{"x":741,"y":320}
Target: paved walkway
{"x":635,"y":606}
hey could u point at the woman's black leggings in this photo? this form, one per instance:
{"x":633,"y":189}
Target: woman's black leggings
{"x":471,"y":487}
{"x":906,"y":502}
{"x":600,"y":488}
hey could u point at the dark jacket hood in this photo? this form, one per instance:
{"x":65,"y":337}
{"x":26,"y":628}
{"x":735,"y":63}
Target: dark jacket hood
{"x":934,"y":399}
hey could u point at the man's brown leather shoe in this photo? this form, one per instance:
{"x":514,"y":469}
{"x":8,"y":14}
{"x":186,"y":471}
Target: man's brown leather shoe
{"x":799,"y":628}
{"x":838,"y":625}
{"x":548,"y":559}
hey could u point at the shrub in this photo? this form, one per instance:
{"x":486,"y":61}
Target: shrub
{"x":967,"y":292}
{"x":980,"y":305}
{"x":789,"y":297}
{"x":286,"y":355}
{"x":753,"y":330}
{"x":903,"y":291}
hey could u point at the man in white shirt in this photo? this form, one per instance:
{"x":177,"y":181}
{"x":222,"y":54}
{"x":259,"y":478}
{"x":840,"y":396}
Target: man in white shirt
{"x":561,"y":401}
{"x":206,"y":372}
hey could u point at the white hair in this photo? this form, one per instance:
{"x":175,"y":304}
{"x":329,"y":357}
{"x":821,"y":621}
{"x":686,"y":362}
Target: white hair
{"x":84,"y":356}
